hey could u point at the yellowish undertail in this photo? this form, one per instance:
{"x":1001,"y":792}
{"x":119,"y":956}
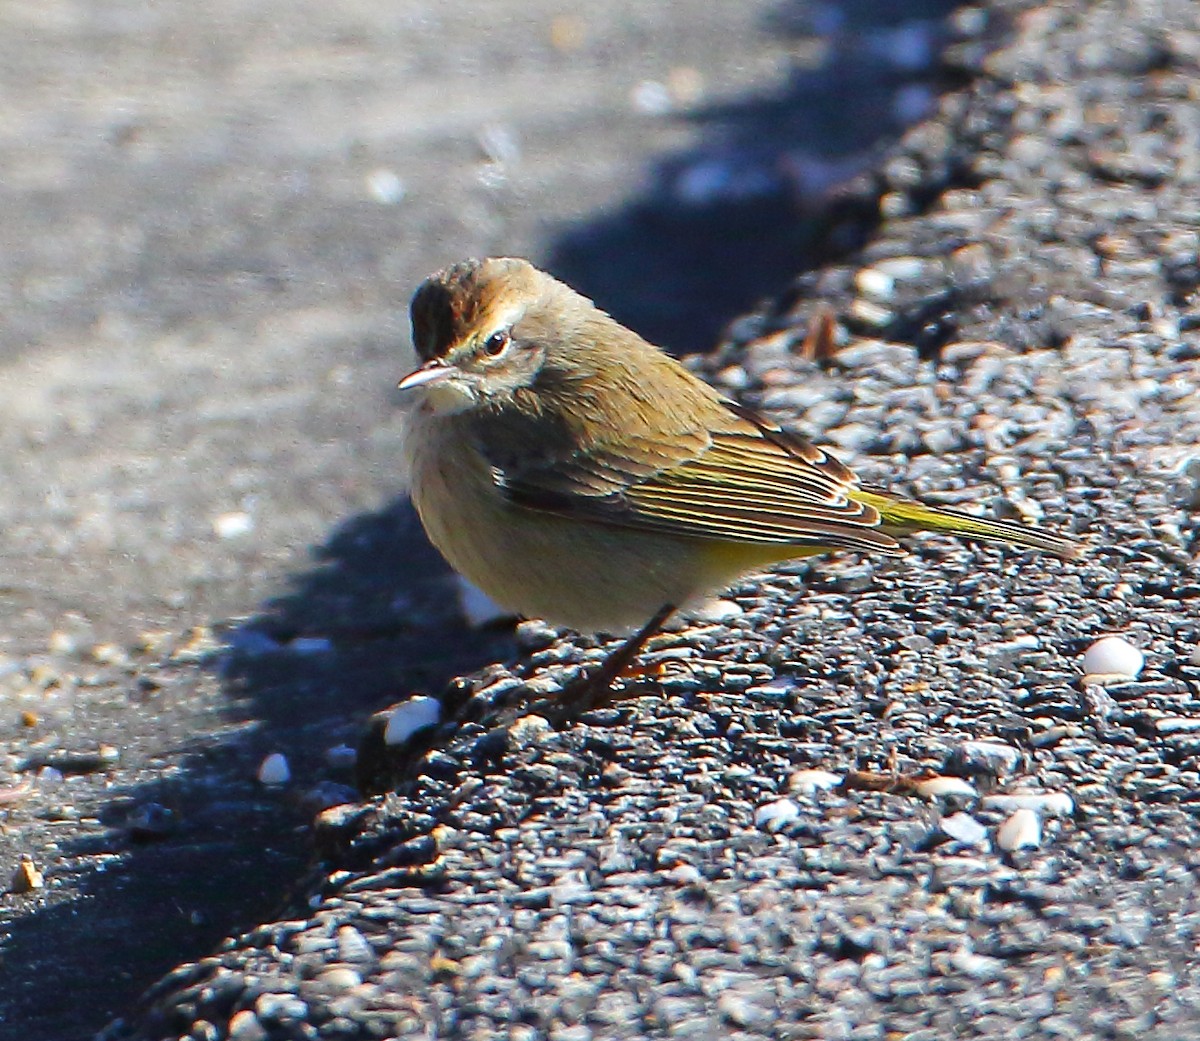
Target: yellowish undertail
{"x":906,"y":516}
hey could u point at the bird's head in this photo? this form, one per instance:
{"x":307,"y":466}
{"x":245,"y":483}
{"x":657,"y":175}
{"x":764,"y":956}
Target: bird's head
{"x":482,"y":329}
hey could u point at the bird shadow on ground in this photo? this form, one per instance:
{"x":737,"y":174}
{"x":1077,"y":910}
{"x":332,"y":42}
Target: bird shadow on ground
{"x":774,"y":186}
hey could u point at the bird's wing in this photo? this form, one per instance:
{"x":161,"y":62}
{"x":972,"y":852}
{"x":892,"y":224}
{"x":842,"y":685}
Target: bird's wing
{"x":747,"y":481}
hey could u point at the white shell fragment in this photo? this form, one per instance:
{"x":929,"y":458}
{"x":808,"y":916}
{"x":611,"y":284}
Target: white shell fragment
{"x":813,"y":780}
{"x":411,"y":716}
{"x":773,"y":816}
{"x":964,"y":828}
{"x":1047,"y":804}
{"x":1113,"y":656}
{"x":1022,"y":830}
{"x":274,"y":770}
{"x":945,"y":788}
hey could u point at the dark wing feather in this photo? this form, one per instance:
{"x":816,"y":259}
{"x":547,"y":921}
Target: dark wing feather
{"x":748,"y":481}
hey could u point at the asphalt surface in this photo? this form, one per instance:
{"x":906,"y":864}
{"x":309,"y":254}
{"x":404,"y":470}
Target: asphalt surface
{"x":214,"y":217}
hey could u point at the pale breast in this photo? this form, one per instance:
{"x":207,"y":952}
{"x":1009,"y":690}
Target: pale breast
{"x":587,"y":576}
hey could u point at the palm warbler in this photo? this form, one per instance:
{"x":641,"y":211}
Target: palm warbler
{"x":574,"y":472}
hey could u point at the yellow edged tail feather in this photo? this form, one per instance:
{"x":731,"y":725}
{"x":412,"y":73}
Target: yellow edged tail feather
{"x":907,"y":516}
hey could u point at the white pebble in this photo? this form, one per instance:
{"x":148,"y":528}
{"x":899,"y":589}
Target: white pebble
{"x":1048,"y":804}
{"x":685,"y":875}
{"x":233,"y":525}
{"x":244,"y":1026}
{"x":528,"y":730}
{"x":977,"y":966}
{"x":385,"y":186}
{"x":49,"y":777}
{"x":813,"y":780}
{"x":775,"y":815}
{"x":275,"y":770}
{"x":902,"y":269}
{"x":774,"y":690}
{"x":1177,"y":724}
{"x":339,"y":977}
{"x":962,"y":827}
{"x":1022,"y":830}
{"x":876,"y":284}
{"x":715,"y":610}
{"x":946,"y":788}
{"x":651,"y":98}
{"x":993,"y":757}
{"x":353,"y":946}
{"x":1113,"y":656}
{"x":476,"y":606}
{"x":409,"y":717}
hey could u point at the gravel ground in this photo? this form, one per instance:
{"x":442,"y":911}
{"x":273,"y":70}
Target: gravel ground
{"x":857,"y":800}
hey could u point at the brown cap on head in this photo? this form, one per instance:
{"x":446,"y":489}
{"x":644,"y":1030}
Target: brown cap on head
{"x":461,"y":299}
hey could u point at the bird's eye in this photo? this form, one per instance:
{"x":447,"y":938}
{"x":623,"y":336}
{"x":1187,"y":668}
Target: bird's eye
{"x":496,"y":344}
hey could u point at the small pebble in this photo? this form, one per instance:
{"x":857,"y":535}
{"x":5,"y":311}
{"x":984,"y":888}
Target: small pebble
{"x":274,"y":770}
{"x":416,"y":714}
{"x":280,"y":1008}
{"x":244,"y":1026}
{"x":962,"y":827}
{"x":1048,"y":804}
{"x":151,"y":820}
{"x":385,"y":187}
{"x":1022,"y":830}
{"x":339,"y":977}
{"x":776,"y":690}
{"x":715,"y":610}
{"x":528,"y":730}
{"x":353,"y":947}
{"x":49,"y":777}
{"x":945,"y":788}
{"x":1113,"y":656}
{"x":685,"y":875}
{"x":27,"y":877}
{"x":1177,"y":724}
{"x":977,"y":966}
{"x":813,"y":780}
{"x":776,"y":815}
{"x":989,"y":758}
{"x":233,"y":525}
{"x":875,"y":284}
{"x":651,"y":98}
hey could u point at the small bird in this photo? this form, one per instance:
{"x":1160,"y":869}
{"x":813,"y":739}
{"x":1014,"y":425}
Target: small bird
{"x":576,"y":473}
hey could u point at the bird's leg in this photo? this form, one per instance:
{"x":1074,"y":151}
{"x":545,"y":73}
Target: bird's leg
{"x":595,"y":689}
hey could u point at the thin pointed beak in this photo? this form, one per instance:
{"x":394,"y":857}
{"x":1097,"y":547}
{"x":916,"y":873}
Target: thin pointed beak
{"x":431,"y":372}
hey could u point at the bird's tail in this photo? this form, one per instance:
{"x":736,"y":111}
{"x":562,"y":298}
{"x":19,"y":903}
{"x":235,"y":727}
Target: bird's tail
{"x":906,"y":516}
